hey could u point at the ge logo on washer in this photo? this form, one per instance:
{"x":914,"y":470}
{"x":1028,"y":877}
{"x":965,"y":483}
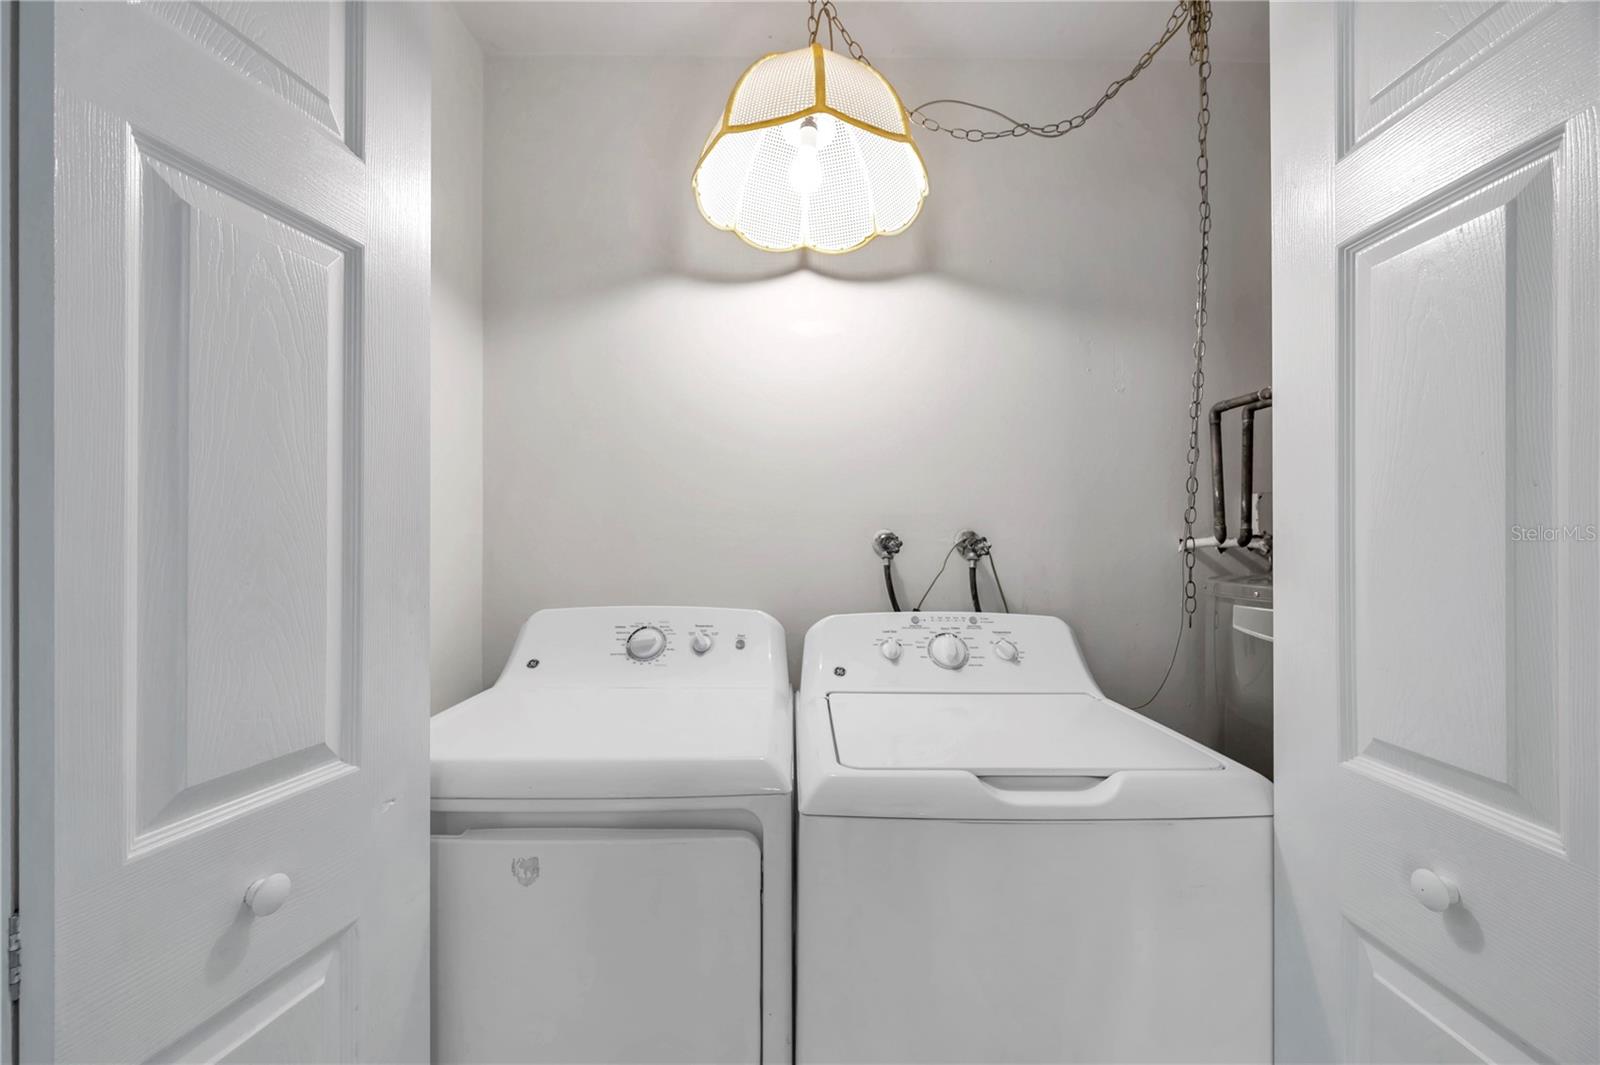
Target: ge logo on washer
{"x":526,"y":870}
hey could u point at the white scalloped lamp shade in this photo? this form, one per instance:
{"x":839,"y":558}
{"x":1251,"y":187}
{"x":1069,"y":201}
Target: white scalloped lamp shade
{"x":813,"y":150}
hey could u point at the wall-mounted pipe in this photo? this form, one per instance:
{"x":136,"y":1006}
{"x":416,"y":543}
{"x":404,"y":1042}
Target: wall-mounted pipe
{"x":1247,"y":469}
{"x":972,"y":547}
{"x":1261,"y":545}
{"x":886,"y":545}
{"x":1219,"y":504}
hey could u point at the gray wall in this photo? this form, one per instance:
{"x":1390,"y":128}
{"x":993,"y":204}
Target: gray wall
{"x":673,"y":417}
{"x":456,"y":481}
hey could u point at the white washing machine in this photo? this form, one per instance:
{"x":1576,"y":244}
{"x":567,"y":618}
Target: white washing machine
{"x":998,"y":864}
{"x":612,"y":869}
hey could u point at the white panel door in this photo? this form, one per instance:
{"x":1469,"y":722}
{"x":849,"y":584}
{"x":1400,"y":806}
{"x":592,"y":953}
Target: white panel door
{"x":1436,"y":369}
{"x":223,"y":530}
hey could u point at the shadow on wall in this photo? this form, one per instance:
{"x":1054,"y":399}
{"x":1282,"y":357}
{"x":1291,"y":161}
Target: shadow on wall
{"x":688,"y":248}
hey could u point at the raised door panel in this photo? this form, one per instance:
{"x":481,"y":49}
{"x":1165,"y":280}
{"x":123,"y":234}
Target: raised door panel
{"x":304,"y":51}
{"x":244,"y":611}
{"x":1450,"y":364}
{"x":1395,"y":55}
{"x":304,"y":1013}
{"x":1399,"y":1015}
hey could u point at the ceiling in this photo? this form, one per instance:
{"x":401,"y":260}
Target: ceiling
{"x":887,"y":29}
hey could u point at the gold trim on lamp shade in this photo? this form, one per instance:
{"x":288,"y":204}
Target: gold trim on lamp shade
{"x":820,"y":105}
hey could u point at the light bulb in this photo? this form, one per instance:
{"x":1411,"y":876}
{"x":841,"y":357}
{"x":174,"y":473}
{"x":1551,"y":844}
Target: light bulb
{"x":805,"y":173}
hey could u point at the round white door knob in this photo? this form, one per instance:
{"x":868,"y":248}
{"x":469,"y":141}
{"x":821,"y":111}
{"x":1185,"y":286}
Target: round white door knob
{"x":948,"y":651}
{"x":700,"y":642}
{"x":645,"y":643}
{"x":1434,"y":891}
{"x":267,"y":894}
{"x":1006,"y":650}
{"x":890,"y":649}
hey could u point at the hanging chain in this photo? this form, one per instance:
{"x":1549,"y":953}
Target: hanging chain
{"x":826,"y":14}
{"x":1175,"y":22}
{"x":1196,"y":15}
{"x":1200,"y":56}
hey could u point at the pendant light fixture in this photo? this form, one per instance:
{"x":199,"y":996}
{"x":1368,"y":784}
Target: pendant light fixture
{"x":813,"y":150}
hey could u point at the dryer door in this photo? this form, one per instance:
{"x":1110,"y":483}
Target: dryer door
{"x":586,"y":945}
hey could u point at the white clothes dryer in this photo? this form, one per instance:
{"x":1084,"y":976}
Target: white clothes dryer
{"x":612,"y":844}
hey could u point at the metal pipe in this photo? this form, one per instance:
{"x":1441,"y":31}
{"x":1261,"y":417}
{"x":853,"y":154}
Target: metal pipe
{"x":1261,"y":545}
{"x":1219,"y":506}
{"x":1219,"y":512}
{"x":1247,"y":469}
{"x":886,"y":545}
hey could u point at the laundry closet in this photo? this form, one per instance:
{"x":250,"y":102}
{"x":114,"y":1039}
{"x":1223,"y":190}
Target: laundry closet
{"x":675,"y":415}
{"x":799,"y":531}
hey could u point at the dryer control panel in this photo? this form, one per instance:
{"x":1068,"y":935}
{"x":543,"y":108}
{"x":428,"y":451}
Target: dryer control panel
{"x":944,"y":651}
{"x":648,"y":647}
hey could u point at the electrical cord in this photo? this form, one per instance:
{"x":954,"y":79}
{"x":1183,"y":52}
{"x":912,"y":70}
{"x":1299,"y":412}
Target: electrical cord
{"x":936,"y":577}
{"x":888,"y":584}
{"x":972,"y":582}
{"x":1183,"y":615}
{"x":998,"y":586}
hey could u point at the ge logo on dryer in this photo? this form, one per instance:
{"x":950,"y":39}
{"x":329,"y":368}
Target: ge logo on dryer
{"x":526,"y":870}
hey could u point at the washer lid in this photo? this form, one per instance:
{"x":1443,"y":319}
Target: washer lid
{"x":612,"y":743}
{"x":1066,"y":734}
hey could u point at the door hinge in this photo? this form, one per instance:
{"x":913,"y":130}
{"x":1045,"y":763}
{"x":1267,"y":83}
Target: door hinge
{"x":14,"y":954}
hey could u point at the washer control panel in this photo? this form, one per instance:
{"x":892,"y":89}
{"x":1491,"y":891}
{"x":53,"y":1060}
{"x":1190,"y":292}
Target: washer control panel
{"x":951,"y":641}
{"x":945,"y":651}
{"x":647,"y":647}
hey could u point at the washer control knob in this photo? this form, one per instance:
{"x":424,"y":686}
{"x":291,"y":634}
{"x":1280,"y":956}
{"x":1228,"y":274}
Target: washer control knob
{"x":700,"y":642}
{"x":1006,"y":650}
{"x":645,"y":643}
{"x":948,"y":651}
{"x":890,"y":649}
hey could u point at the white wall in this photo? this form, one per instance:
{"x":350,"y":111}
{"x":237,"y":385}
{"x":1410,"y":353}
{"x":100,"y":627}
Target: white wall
{"x":456,"y":480}
{"x":673,"y":417}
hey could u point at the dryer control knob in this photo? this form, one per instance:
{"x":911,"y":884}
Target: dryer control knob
{"x":948,"y":651}
{"x":700,"y":642}
{"x":890,"y":649}
{"x":646,"y":643}
{"x":1006,"y":650}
